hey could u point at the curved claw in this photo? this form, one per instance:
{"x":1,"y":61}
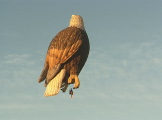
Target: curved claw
{"x":73,"y":79}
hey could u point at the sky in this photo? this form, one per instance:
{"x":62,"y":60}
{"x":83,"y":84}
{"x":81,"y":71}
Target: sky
{"x":122,"y":78}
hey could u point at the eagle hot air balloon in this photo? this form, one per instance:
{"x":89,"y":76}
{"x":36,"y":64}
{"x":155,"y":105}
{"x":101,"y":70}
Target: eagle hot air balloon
{"x":65,"y":57}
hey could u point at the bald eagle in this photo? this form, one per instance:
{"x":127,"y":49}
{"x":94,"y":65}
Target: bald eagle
{"x":65,"y":57}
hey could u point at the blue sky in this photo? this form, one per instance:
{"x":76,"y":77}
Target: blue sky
{"x":122,"y":79}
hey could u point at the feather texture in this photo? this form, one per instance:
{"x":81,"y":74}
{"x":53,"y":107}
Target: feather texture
{"x":65,"y":58}
{"x":54,"y":85}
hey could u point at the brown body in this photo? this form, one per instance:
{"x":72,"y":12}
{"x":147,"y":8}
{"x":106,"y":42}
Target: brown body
{"x":68,"y":50}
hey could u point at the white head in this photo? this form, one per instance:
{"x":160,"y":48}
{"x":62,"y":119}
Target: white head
{"x":76,"y":21}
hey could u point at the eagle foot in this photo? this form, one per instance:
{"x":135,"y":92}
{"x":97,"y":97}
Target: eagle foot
{"x":73,"y":79}
{"x":64,"y":87}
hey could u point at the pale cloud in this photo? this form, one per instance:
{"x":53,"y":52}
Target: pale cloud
{"x":157,"y":60}
{"x":16,"y":59}
{"x":126,"y":74}
{"x":131,"y":73}
{"x":16,"y":106}
{"x":19,"y":72}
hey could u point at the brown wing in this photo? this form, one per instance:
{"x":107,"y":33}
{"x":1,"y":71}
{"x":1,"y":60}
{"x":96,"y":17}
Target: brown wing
{"x":63,"y":46}
{"x":58,"y":56}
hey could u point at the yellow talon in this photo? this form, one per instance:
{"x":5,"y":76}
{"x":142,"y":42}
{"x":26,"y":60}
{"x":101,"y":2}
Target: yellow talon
{"x":73,"y":79}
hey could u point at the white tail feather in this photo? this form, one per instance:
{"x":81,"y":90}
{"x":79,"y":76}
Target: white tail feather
{"x":54,"y":85}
